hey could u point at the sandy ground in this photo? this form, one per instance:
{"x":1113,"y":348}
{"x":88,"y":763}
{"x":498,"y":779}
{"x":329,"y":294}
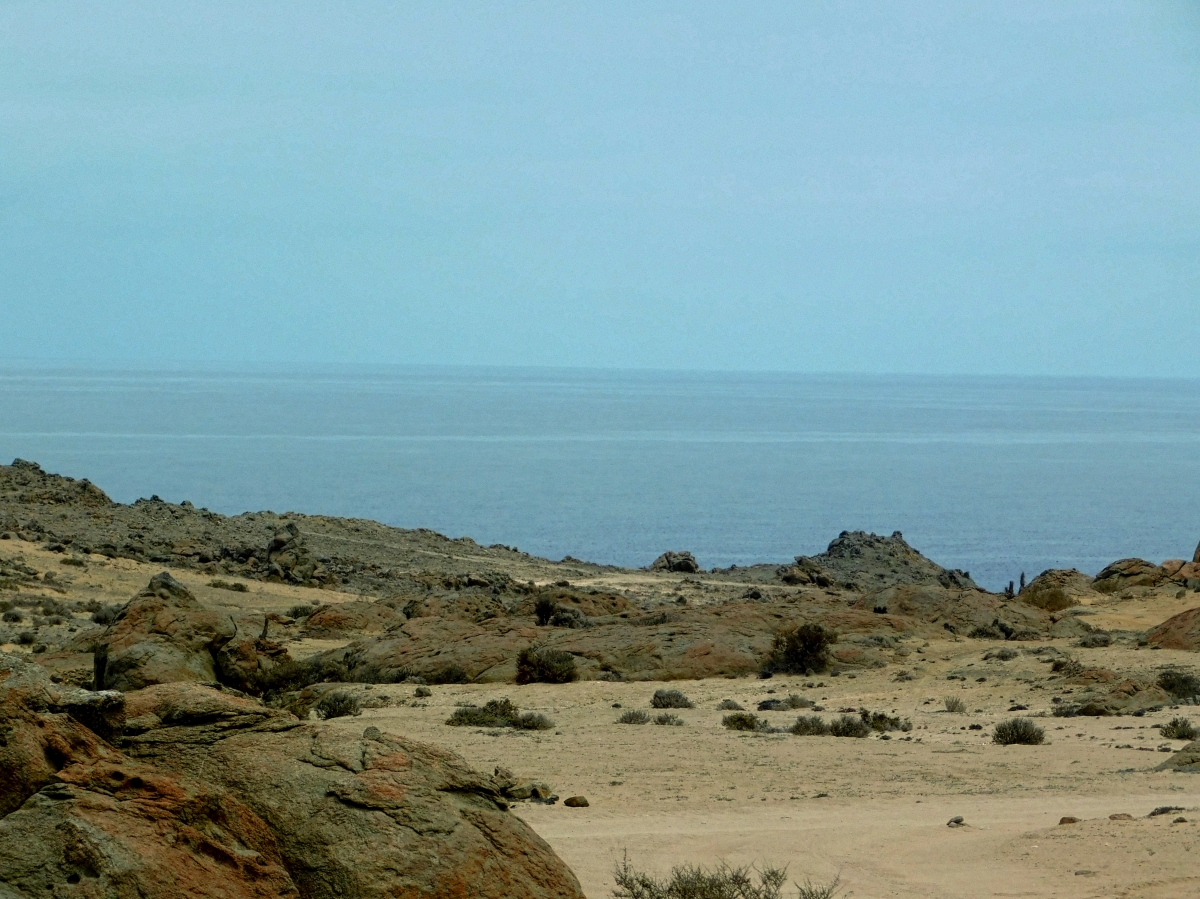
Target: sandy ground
{"x":871,"y":810}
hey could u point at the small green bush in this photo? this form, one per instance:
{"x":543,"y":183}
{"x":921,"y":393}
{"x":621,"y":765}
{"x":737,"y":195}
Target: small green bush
{"x":634,"y":716}
{"x":810,"y":726}
{"x":745,"y":721}
{"x":1179,"y":729}
{"x":25,"y":638}
{"x":498,"y":713}
{"x":1179,"y":683}
{"x":881,"y":721}
{"x":670,"y":699}
{"x":301,"y":611}
{"x":666,"y":718}
{"x":1018,"y":732}
{"x":800,"y":650}
{"x":544,"y":609}
{"x":12,"y":616}
{"x":849,"y":726}
{"x":691,"y":882}
{"x":728,"y":705}
{"x":545,"y":666}
{"x":955,"y":705}
{"x":337,"y":704}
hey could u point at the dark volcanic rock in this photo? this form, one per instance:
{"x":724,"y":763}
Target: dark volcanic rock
{"x":863,"y":561}
{"x":671,"y":561}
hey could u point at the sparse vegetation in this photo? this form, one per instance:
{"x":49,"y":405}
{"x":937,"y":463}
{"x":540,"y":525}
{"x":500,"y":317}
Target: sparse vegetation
{"x":12,"y":616}
{"x":337,"y":704}
{"x":498,"y":713}
{"x":26,"y":638}
{"x":810,"y":726}
{"x":666,"y":718}
{"x":954,"y":705}
{"x":1018,"y":732}
{"x":106,"y":615}
{"x":800,"y":650}
{"x":692,"y":882}
{"x":670,"y":699}
{"x":791,"y":703}
{"x":301,"y":611}
{"x":226,"y":585}
{"x":634,"y":716}
{"x":546,"y":666}
{"x":849,"y":726}
{"x":1179,"y":683}
{"x":1066,"y":666}
{"x":745,"y":721}
{"x":450,"y":674}
{"x":728,"y":705}
{"x":881,"y":721}
{"x":1179,"y":729}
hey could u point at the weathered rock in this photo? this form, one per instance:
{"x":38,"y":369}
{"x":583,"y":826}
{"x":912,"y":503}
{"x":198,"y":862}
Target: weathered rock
{"x":1126,"y":573}
{"x":241,"y":663}
{"x":163,"y":635}
{"x":1180,"y":631}
{"x":351,"y":618}
{"x":576,"y":802}
{"x":865,"y":561}
{"x":380,"y":817}
{"x":117,"y":828}
{"x":683,"y":562}
{"x":1186,"y":760}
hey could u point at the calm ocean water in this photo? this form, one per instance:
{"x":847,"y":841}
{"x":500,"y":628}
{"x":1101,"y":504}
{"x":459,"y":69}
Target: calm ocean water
{"x":993,"y":475}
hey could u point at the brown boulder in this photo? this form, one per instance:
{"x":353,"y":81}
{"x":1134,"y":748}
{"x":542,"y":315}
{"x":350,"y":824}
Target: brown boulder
{"x":117,"y":828}
{"x":683,"y":562}
{"x":1180,"y":631}
{"x":370,"y":816}
{"x":354,"y":617}
{"x":163,"y":635}
{"x":1128,"y":573}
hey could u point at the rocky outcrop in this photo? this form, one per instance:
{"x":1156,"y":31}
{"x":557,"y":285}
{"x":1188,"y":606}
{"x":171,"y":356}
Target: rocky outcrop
{"x":865,"y":562}
{"x":683,"y":562}
{"x":1185,"y":761}
{"x":964,"y":612}
{"x":163,"y":635}
{"x":289,"y":560}
{"x":1180,"y":631}
{"x":205,"y":793}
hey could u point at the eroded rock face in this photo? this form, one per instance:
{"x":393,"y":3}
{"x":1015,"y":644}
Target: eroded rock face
{"x":163,"y":635}
{"x":1180,"y":631}
{"x":866,"y":562}
{"x":1186,"y":760}
{"x":207,"y":793}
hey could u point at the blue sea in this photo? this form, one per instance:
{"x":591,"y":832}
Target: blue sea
{"x":993,"y":475}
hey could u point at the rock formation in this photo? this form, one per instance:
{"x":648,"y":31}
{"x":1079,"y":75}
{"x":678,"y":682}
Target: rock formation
{"x":203,"y":793}
{"x":862,"y":561}
{"x":683,"y":562}
{"x":1180,"y":631}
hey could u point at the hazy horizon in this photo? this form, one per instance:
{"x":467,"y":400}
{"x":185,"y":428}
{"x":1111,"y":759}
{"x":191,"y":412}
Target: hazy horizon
{"x":932,"y":188}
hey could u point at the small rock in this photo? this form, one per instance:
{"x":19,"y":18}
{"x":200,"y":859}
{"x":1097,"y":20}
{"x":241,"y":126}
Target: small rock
{"x":1180,"y":820}
{"x":1120,"y":816}
{"x":1068,"y":819}
{"x":956,"y":821}
{"x":576,"y":802}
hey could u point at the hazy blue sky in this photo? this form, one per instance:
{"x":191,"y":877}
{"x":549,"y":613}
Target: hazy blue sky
{"x":917,"y":186}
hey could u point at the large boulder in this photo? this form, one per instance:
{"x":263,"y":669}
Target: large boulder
{"x":1180,"y":631}
{"x":683,"y":562}
{"x":213,"y":794}
{"x":163,"y":635}
{"x":1186,"y":760}
{"x":359,"y":814}
{"x":1126,"y":573}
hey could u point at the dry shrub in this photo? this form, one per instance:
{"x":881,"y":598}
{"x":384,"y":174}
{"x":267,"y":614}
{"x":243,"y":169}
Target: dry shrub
{"x":670,"y":699}
{"x":800,"y":650}
{"x":810,"y":726}
{"x":545,"y":666}
{"x":728,"y":705}
{"x":1179,"y":729}
{"x":955,"y":705}
{"x":849,"y":726}
{"x":669,"y":720}
{"x":793,"y":702}
{"x":1018,"y":732}
{"x":745,"y":721}
{"x":1179,"y":683}
{"x":634,"y":716}
{"x":337,"y":704}
{"x":498,"y":713}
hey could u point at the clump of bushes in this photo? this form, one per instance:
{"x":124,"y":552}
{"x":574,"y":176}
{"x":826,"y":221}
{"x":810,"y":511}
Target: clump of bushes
{"x":26,"y":638}
{"x":1179,"y":729}
{"x":1018,"y":732}
{"x":545,"y":666}
{"x":728,"y":705}
{"x":809,"y":726}
{"x":498,"y":713}
{"x":800,"y":650}
{"x":745,"y":721}
{"x":337,"y":704}
{"x":881,"y":721}
{"x":1066,"y":666}
{"x":955,"y":705}
{"x":670,"y":699}
{"x":666,"y":718}
{"x":634,"y":716}
{"x":301,"y":611}
{"x":1179,"y":683}
{"x":12,"y":616}
{"x":692,"y":882}
{"x":849,"y":726}
{"x":793,"y":702}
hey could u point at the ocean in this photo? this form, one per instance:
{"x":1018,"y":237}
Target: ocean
{"x":996,"y":476}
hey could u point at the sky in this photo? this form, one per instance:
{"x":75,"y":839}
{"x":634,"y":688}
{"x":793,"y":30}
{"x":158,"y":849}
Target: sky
{"x":919,"y":187}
